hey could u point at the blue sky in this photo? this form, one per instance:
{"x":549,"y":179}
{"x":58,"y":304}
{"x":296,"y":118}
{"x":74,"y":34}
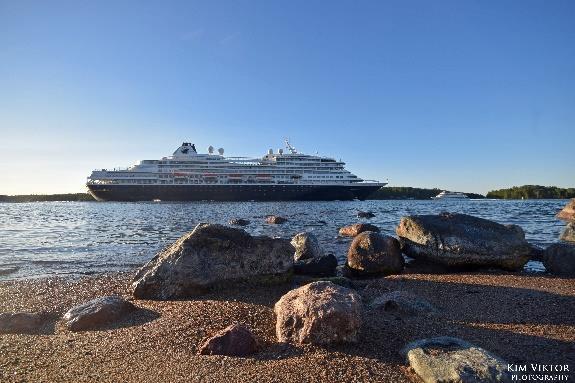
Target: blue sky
{"x":463,"y":95}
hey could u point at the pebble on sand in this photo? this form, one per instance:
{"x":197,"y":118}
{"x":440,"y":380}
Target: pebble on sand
{"x":97,"y":313}
{"x":234,"y":340}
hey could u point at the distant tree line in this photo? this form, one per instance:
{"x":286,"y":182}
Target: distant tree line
{"x":532,"y":192}
{"x":76,"y":197}
{"x":405,"y":192}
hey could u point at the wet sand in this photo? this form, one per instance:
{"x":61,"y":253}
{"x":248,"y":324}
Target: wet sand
{"x":521,"y":317}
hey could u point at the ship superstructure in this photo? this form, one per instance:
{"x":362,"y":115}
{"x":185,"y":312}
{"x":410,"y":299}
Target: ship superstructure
{"x":188,"y":175}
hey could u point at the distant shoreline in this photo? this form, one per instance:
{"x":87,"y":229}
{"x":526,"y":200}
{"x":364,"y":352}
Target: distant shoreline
{"x":385,"y":193}
{"x":66,"y":197}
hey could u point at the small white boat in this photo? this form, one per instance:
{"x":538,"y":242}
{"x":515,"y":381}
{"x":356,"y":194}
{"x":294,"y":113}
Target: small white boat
{"x":450,"y":195}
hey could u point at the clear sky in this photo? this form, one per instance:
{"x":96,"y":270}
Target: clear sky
{"x":463,"y":95}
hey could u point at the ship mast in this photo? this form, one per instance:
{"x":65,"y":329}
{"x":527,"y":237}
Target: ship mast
{"x":289,"y":147}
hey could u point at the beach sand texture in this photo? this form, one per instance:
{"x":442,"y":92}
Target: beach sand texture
{"x":521,"y":317}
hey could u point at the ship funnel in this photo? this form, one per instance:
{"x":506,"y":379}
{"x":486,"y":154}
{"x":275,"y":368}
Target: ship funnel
{"x":221,"y":151}
{"x":210,"y":149}
{"x":280,"y":151}
{"x":271,"y":151}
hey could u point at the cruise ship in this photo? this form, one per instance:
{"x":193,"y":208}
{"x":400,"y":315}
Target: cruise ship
{"x":187,"y":175}
{"x":450,"y":195}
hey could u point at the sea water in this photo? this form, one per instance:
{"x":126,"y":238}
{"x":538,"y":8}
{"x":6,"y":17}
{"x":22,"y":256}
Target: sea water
{"x":81,"y":238}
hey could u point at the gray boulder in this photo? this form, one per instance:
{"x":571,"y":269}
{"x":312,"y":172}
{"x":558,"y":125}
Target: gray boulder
{"x":560,"y":259}
{"x":21,"y":323}
{"x":568,"y":212}
{"x":463,"y":240}
{"x":402,"y":302}
{"x":374,"y":253}
{"x":306,"y":246}
{"x":451,"y":360}
{"x":569,"y":233}
{"x":319,"y":313}
{"x":97,"y":313}
{"x":212,"y":255}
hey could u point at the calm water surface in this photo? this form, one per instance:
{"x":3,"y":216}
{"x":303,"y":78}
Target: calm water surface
{"x":79,"y":238}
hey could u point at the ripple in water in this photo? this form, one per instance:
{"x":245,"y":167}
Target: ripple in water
{"x":80,"y":238}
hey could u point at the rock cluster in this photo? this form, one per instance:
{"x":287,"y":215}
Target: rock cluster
{"x":211,"y":255}
{"x":324,"y":312}
{"x":463,"y":240}
{"x":320,"y":313}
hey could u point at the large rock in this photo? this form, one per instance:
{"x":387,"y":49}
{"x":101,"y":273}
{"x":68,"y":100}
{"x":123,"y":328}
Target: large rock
{"x":319,"y":313}
{"x":568,"y":212}
{"x":402,"y":302}
{"x":451,"y":360}
{"x":560,"y":259}
{"x":324,"y":266}
{"x":463,"y":240}
{"x":355,"y":229}
{"x":306,"y":246}
{"x":569,"y":233}
{"x":21,"y":323}
{"x":212,"y":255}
{"x":374,"y":253}
{"x":234,"y":340}
{"x":365,"y":214}
{"x":98,"y":313}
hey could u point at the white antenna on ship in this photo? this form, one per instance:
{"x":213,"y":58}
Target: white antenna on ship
{"x":289,"y":147}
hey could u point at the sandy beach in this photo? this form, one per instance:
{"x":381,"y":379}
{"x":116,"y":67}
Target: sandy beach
{"x":524,"y":318}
